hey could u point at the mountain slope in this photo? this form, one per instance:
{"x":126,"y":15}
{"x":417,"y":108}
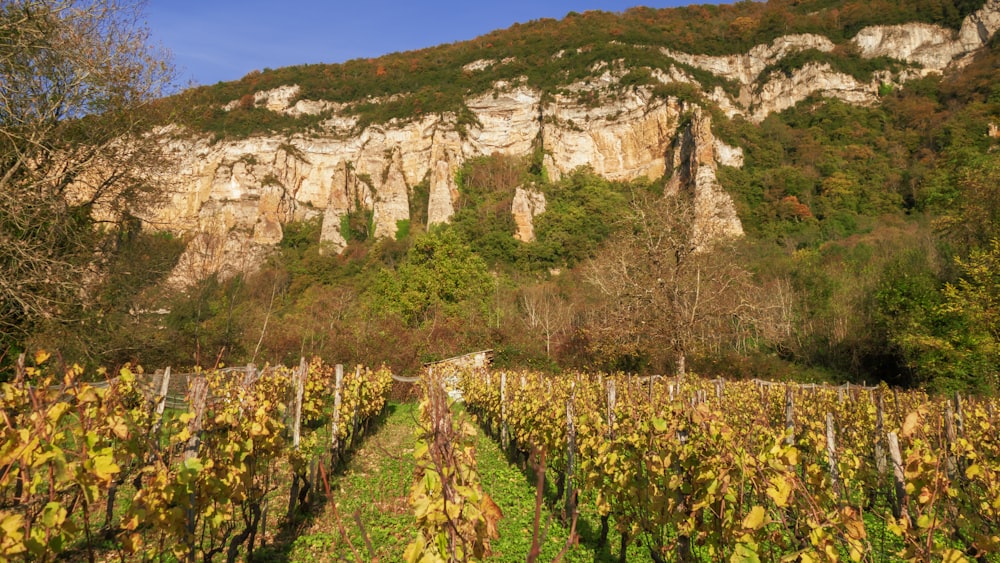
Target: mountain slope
{"x":624,"y":119}
{"x":854,"y":146}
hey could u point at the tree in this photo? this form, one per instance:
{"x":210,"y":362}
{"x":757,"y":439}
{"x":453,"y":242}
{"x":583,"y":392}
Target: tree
{"x":545,"y":311}
{"x":441,"y":275}
{"x":77,"y":165}
{"x":668,"y":285}
{"x":970,"y":197}
{"x":950,"y":335}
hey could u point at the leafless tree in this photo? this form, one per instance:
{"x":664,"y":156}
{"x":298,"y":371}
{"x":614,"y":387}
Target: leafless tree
{"x":670,"y":288}
{"x":77,"y":162}
{"x":545,"y":311}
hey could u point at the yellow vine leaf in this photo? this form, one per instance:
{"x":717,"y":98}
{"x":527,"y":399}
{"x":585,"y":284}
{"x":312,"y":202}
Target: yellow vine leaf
{"x":105,"y":467}
{"x":54,"y":514}
{"x":12,"y":524}
{"x":953,"y":556}
{"x":910,"y":424}
{"x":779,"y":490}
{"x":745,"y":553}
{"x":414,"y":550}
{"x":118,"y":426}
{"x":755,"y":519}
{"x":56,"y":412}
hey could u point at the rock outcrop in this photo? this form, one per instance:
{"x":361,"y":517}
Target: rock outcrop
{"x":245,"y":190}
{"x":526,"y":205}
{"x":233,"y":197}
{"x":694,"y":170}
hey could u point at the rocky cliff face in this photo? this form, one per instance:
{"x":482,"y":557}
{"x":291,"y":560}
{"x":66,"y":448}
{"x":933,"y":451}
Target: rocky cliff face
{"x":526,"y":205}
{"x":233,"y":197}
{"x":694,"y":162}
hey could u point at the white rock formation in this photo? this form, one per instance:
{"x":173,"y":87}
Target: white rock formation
{"x":526,"y":205}
{"x":728,"y":155}
{"x":233,"y":197}
{"x":392,"y":203}
{"x":694,"y":166}
{"x":780,"y":93}
{"x":746,"y":68}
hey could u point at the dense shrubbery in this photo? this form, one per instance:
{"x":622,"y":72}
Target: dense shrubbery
{"x":582,"y":210}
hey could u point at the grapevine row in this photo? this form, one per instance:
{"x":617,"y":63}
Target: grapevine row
{"x":78,"y":462}
{"x":701,"y":470}
{"x":456,"y":519}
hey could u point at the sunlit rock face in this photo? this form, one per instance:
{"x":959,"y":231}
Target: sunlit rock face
{"x":526,"y":205}
{"x":232,"y":198}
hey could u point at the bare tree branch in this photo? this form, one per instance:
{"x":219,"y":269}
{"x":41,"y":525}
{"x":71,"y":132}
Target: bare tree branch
{"x":669,"y":288}
{"x":76,"y":80}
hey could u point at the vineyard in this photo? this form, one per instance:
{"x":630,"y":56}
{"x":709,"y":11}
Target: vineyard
{"x":664,"y":469}
{"x":710,"y":470}
{"x":106,"y":470}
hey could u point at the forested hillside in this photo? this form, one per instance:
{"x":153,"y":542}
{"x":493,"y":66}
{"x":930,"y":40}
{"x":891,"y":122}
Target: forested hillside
{"x":871,"y":231}
{"x":437,"y":79}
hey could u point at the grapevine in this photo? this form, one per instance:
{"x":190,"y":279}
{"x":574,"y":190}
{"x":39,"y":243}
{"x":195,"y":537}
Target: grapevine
{"x":195,"y":484}
{"x":711,"y":470}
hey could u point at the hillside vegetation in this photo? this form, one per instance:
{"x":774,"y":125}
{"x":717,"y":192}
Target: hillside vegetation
{"x":550,"y":54}
{"x":870,"y":252}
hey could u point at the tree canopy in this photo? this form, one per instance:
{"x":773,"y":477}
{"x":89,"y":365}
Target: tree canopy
{"x":76,"y":163}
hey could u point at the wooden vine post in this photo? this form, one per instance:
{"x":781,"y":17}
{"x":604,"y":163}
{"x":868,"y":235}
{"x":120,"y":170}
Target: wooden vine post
{"x":951,"y":437}
{"x":880,"y":460}
{"x":161,"y":403}
{"x":355,"y":423}
{"x":250,"y":377}
{"x":612,"y":400}
{"x":570,"y":455}
{"x":504,"y":432}
{"x":335,"y":430}
{"x":959,"y":430}
{"x":789,"y":416}
{"x":298,"y":384}
{"x":831,"y":454}
{"x":955,"y":428}
{"x":198,"y":396}
{"x":959,"y":417}
{"x":899,"y":508}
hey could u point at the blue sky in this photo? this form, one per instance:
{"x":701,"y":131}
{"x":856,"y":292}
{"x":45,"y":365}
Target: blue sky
{"x":222,"y":40}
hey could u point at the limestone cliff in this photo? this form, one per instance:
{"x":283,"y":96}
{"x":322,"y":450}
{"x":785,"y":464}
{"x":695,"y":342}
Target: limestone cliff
{"x":232,"y":197}
{"x":526,"y":205}
{"x":245,"y":190}
{"x":694,"y":168}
